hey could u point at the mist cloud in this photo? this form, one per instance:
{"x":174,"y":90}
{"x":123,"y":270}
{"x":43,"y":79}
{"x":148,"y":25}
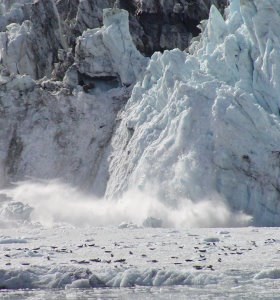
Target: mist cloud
{"x":55,"y":202}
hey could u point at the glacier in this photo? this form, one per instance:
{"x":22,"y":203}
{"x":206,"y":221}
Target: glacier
{"x":206,"y":123}
{"x":116,"y":169}
{"x":200,"y":128}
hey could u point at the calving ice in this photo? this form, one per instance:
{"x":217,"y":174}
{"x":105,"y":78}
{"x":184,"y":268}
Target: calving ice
{"x":206,"y":122}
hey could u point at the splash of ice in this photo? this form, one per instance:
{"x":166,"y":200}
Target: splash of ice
{"x":54,"y":202}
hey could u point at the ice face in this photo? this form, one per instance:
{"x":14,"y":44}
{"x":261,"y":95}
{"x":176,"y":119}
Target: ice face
{"x":207,"y":123}
{"x":28,"y":47}
{"x":109,"y":51}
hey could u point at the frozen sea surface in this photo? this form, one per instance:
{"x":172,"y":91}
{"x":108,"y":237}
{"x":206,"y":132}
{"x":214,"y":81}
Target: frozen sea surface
{"x":64,"y":262}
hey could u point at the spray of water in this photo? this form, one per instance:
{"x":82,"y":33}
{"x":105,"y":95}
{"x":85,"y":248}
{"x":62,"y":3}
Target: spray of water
{"x":54,"y":202}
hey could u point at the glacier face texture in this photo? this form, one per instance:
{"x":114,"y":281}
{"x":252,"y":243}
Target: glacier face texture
{"x":207,"y":123}
{"x":34,"y":33}
{"x":99,"y":52}
{"x":39,"y":37}
{"x":31,"y":47}
{"x":166,"y":24}
{"x":62,"y":129}
{"x":198,"y":126}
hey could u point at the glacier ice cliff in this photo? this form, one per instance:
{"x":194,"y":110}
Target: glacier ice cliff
{"x":109,"y":51}
{"x":61,"y":129}
{"x":154,"y":25}
{"x":31,"y":47}
{"x":198,"y":125}
{"x":207,"y":123}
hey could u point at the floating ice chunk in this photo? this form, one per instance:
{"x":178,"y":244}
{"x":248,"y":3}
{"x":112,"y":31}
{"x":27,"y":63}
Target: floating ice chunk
{"x":124,"y":225}
{"x":96,"y":282}
{"x":152,"y":222}
{"x":13,"y":241}
{"x":16,"y":211}
{"x":224,"y":232}
{"x":211,"y":240}
{"x":268,"y":274}
{"x":79,"y":284}
{"x":155,"y":277}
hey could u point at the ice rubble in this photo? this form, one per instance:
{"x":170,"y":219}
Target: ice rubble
{"x":70,"y":277}
{"x":207,"y":123}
